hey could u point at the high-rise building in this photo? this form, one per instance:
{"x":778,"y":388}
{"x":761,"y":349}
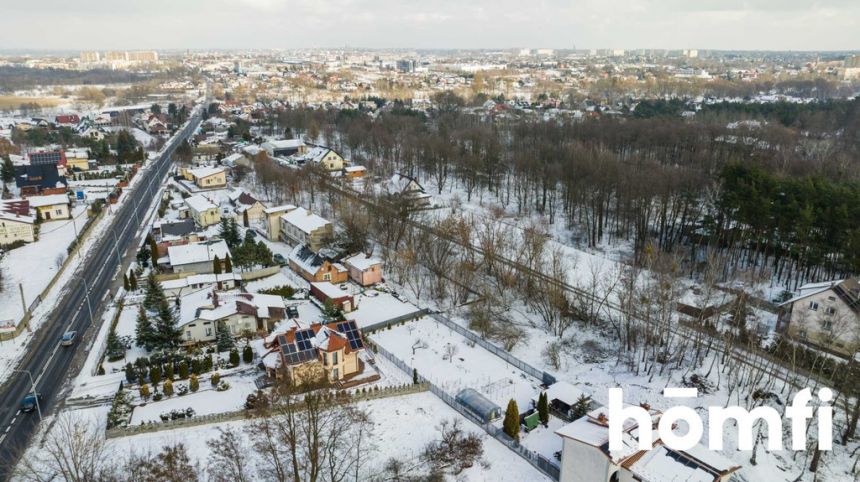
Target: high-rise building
{"x":116,"y":56}
{"x":142,"y":56}
{"x":90,"y":57}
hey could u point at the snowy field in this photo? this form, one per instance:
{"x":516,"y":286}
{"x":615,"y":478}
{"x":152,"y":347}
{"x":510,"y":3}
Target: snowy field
{"x":402,"y":427}
{"x":469,"y":367}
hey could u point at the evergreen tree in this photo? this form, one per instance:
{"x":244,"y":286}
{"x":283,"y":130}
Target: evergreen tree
{"x":114,"y":349}
{"x":8,"y":172}
{"x":155,"y":374}
{"x":143,"y":331}
{"x":511,"y":424}
{"x":183,"y":370}
{"x":247,"y":354}
{"x":223,"y":338}
{"x":215,"y":379}
{"x":216,"y":265}
{"x":245,"y":220}
{"x":234,"y":357}
{"x":228,"y":264}
{"x":144,"y":391}
{"x":153,"y":250}
{"x":168,"y":335}
{"x":194,"y":384}
{"x":581,"y":407}
{"x":207,"y":363}
{"x":195,"y":366}
{"x":415,"y":376}
{"x":169,"y":370}
{"x":154,"y":293}
{"x":132,"y":280}
{"x":543,"y":408}
{"x":130,"y":373}
{"x":125,"y":283}
{"x":168,"y":388}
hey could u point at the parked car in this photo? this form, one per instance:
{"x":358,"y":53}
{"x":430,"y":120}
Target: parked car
{"x":28,"y":404}
{"x":279,"y":258}
{"x":69,"y":338}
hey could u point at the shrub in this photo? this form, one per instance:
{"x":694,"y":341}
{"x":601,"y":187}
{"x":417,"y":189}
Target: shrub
{"x":194,"y":384}
{"x":216,"y":378}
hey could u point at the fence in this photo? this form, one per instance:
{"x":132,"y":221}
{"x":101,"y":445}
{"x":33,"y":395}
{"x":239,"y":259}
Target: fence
{"x":537,"y":460}
{"x":393,"y":321}
{"x":541,"y":375}
{"x":356,"y":395}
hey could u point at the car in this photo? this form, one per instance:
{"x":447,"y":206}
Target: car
{"x":69,"y":338}
{"x":251,"y":233}
{"x":279,"y":258}
{"x":28,"y":404}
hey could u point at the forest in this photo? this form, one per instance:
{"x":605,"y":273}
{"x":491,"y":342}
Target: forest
{"x":781,"y":196}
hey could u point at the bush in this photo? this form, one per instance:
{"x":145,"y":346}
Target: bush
{"x":234,"y":357}
{"x":247,"y":354}
{"x":181,"y":390}
{"x":222,"y":387}
{"x":168,"y":388}
{"x":194,"y":384}
{"x":216,"y":378}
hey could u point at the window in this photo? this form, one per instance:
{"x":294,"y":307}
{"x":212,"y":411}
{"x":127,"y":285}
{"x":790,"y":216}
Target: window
{"x":188,"y":335}
{"x":334,"y":358}
{"x":827,"y":325}
{"x":831,"y":298}
{"x":813,"y":305}
{"x":327,"y":277}
{"x":334,"y":374}
{"x":802,"y":334}
{"x":325,"y":359}
{"x":208,"y":331}
{"x":830,"y":310}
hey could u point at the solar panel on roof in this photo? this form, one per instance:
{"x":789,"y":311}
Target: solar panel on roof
{"x":303,"y":339}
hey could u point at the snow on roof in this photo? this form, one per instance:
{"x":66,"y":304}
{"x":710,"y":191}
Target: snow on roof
{"x":711,"y":458}
{"x":362,"y":262}
{"x":278,"y":209}
{"x":304,"y":220}
{"x":564,"y":392}
{"x":660,"y":463}
{"x":17,"y":218}
{"x":197,"y":252}
{"x":205,"y":171}
{"x":591,"y":431}
{"x":50,"y":200}
{"x":286,"y":144}
{"x":232,"y":158}
{"x":199,"y":279}
{"x":354,"y":168}
{"x":199,"y":203}
{"x":331,"y":290}
{"x":810,"y":289}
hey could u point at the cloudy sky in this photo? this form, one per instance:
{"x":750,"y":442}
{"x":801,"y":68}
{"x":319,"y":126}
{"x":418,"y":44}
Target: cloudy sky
{"x":164,"y":24}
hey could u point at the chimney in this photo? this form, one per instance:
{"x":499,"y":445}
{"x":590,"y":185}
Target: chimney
{"x":646,"y":406}
{"x":601,"y":418}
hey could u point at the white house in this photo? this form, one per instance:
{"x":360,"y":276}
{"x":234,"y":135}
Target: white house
{"x":197,"y":258}
{"x":825,"y":315}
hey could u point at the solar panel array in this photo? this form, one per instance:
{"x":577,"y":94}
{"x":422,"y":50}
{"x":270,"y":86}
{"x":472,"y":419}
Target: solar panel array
{"x":295,"y":356}
{"x":303,"y":339}
{"x":353,"y":336}
{"x":52,"y":157}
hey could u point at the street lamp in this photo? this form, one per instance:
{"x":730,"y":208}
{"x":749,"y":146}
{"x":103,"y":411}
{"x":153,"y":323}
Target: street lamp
{"x":86,"y":294}
{"x":35,"y":393}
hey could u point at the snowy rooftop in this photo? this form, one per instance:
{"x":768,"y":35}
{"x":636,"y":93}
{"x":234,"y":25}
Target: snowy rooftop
{"x":199,"y":203}
{"x":564,"y":392}
{"x":332,"y":291}
{"x":304,"y":220}
{"x":199,"y":279}
{"x":278,"y":209}
{"x":197,"y":253}
{"x":51,"y":200}
{"x":205,"y":171}
{"x":286,"y":144}
{"x":362,"y":262}
{"x":592,"y":431}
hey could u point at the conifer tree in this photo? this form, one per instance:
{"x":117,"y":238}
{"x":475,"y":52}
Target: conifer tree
{"x":132,"y":280}
{"x":144,"y":391}
{"x":228,"y":264}
{"x":194,"y":384}
{"x":153,"y":251}
{"x":168,"y":334}
{"x":543,"y":409}
{"x":223,"y":338}
{"x":216,"y":265}
{"x":247,"y":354}
{"x":154,"y":293}
{"x":125,"y":284}
{"x":168,"y":388}
{"x":511,"y":424}
{"x":234,"y":357}
{"x":143,"y":331}
{"x":183,"y":370}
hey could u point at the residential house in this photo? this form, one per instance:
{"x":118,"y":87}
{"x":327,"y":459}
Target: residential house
{"x":273,"y":220}
{"x":354,"y":172}
{"x":326,"y":157}
{"x":44,"y":157}
{"x":53,"y":206}
{"x":408,"y":189}
{"x":339,"y":296}
{"x":236,"y":159}
{"x":203,"y":313}
{"x":319,"y":352}
{"x":16,"y":227}
{"x":284,"y":147}
{"x":197,"y":257}
{"x":301,"y":226}
{"x":77,"y":160}
{"x":315,"y":267}
{"x":247,"y":207}
{"x":585,"y":455}
{"x":562,"y":397}
{"x":363,"y":269}
{"x":196,"y":282}
{"x":33,"y":180}
{"x":825,"y":316}
{"x":172,"y":230}
{"x":203,"y":211}
{"x":67,"y":120}
{"x":206,"y":177}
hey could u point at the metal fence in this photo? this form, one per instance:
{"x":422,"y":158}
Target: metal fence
{"x":541,"y":375}
{"x":537,"y":460}
{"x":393,"y":321}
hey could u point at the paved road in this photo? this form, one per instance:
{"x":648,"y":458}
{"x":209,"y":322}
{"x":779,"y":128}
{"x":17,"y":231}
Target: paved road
{"x":48,"y":361}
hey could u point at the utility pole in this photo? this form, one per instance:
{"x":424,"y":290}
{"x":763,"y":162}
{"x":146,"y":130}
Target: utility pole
{"x":24,"y":304}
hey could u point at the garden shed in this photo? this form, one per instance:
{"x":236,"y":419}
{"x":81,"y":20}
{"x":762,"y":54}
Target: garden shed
{"x":479,"y":405}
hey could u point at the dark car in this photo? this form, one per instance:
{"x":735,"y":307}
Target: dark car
{"x":279,"y":258}
{"x":28,"y":404}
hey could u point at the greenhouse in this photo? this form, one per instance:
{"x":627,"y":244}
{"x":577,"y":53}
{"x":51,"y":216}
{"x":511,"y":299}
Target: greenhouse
{"x":479,"y":405}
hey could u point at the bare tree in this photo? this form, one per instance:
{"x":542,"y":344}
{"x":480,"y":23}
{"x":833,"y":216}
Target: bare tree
{"x":229,"y":459}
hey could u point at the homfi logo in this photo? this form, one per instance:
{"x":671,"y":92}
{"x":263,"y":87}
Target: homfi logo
{"x":798,"y":412}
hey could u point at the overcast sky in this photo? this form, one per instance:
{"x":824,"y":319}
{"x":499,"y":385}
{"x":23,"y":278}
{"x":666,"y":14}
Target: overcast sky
{"x":179,"y":24}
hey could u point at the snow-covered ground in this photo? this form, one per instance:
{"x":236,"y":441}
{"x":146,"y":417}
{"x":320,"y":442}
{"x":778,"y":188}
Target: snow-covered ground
{"x":402,"y":427}
{"x":469,"y":367}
